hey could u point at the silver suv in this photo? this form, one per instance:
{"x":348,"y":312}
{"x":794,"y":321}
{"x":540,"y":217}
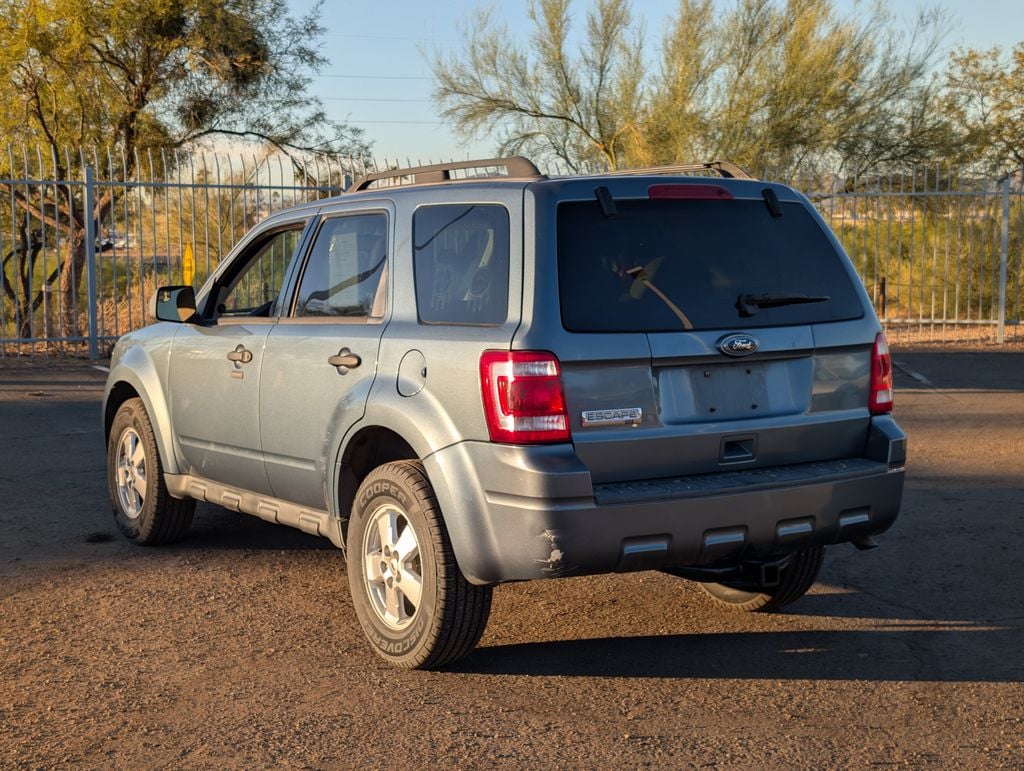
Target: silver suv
{"x":470,"y":373}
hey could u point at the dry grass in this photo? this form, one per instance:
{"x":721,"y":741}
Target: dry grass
{"x":952,"y":336}
{"x":117,"y":315}
{"x":127,"y":311}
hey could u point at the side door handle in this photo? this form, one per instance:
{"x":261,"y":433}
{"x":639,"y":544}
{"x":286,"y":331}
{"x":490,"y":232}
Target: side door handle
{"x":344,"y":360}
{"x":240,"y":355}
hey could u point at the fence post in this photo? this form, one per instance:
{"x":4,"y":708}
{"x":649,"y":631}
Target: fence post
{"x":1004,"y":250}
{"x":90,"y":260}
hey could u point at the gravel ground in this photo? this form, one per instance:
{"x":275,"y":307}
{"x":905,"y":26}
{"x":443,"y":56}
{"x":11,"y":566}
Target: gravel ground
{"x":240,"y":648}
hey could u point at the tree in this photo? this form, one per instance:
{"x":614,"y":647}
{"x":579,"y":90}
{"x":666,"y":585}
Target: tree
{"x":138,"y":74}
{"x":985,"y":97}
{"x":781,"y":85}
{"x":765,"y":84}
{"x":17,"y":285}
{"x":581,"y":109}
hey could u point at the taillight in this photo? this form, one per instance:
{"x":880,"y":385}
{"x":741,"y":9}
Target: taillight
{"x":880,"y":400}
{"x":523,"y":400}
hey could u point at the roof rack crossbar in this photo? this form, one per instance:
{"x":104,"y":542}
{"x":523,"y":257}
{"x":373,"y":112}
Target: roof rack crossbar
{"x":722,"y":168}
{"x":516,"y":167}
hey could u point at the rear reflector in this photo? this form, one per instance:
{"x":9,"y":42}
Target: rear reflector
{"x":690,"y":192}
{"x":522,"y":394}
{"x":880,"y":400}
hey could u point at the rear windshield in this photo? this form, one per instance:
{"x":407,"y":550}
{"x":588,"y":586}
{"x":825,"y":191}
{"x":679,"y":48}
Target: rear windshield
{"x":666,"y":265}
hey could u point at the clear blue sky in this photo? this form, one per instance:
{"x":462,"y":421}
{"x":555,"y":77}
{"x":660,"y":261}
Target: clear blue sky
{"x":378,"y":78}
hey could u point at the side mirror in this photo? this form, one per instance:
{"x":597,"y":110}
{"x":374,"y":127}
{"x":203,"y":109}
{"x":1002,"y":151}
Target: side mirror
{"x":175,"y":303}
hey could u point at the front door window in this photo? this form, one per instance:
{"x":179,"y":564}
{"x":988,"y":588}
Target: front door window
{"x":255,"y":288}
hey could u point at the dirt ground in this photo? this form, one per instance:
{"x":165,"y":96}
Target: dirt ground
{"x":240,"y":648}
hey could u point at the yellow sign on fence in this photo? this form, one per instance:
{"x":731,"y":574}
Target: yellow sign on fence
{"x":188,"y":265}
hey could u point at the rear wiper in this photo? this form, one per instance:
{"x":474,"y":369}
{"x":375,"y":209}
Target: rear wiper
{"x":749,"y":304}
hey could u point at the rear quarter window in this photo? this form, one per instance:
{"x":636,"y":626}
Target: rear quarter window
{"x":659,"y":262}
{"x":460,"y":258}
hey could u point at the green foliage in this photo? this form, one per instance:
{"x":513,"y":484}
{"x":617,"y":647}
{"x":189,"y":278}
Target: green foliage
{"x":582,"y":109}
{"x":925,"y":257}
{"x":765,"y":83}
{"x":780,"y":85}
{"x":985,"y":101}
{"x":134,"y":74}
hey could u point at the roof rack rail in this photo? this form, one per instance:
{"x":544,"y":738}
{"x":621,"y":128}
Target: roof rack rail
{"x":722,"y":168}
{"x":516,"y":167}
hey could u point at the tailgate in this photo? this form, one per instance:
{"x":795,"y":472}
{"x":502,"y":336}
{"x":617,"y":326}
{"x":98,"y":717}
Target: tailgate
{"x":689,"y":410}
{"x":695,"y":340}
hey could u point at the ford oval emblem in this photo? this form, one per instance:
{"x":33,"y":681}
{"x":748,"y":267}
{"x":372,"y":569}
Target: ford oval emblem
{"x":738,"y":345}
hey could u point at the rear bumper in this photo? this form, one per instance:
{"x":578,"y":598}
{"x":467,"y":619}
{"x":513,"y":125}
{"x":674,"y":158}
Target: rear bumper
{"x":518,"y":513}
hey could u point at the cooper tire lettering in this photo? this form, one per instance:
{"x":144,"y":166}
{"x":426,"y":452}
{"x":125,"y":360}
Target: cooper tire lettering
{"x":444,"y":619}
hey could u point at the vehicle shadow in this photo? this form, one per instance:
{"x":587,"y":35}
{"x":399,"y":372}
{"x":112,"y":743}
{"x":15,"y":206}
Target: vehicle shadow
{"x":940,"y":602}
{"x":220,"y":529}
{"x":943,"y":652}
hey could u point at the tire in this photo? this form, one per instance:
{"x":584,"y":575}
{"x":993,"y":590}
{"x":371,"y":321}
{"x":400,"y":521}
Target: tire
{"x":794,"y":581}
{"x":143,"y":509}
{"x":395,"y":534}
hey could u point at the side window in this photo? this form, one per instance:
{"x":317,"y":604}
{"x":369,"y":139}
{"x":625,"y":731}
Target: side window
{"x":344,"y":274}
{"x":254,"y":289}
{"x":461,"y":263}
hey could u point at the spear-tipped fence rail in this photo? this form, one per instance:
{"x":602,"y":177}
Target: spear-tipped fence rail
{"x":85,"y":238}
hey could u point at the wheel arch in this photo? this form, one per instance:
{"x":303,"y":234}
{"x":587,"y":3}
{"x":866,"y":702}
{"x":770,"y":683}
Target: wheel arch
{"x":120,"y":392}
{"x":128,"y":382}
{"x":368,"y":447}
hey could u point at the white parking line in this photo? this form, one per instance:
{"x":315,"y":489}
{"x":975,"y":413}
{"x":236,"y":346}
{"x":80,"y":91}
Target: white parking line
{"x":914,"y":374}
{"x":101,"y":368}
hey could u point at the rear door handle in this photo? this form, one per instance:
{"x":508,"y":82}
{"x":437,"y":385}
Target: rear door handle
{"x":344,"y":360}
{"x":240,"y":355}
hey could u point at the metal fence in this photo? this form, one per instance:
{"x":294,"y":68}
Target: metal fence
{"x":83,"y":251}
{"x":938,"y":249}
